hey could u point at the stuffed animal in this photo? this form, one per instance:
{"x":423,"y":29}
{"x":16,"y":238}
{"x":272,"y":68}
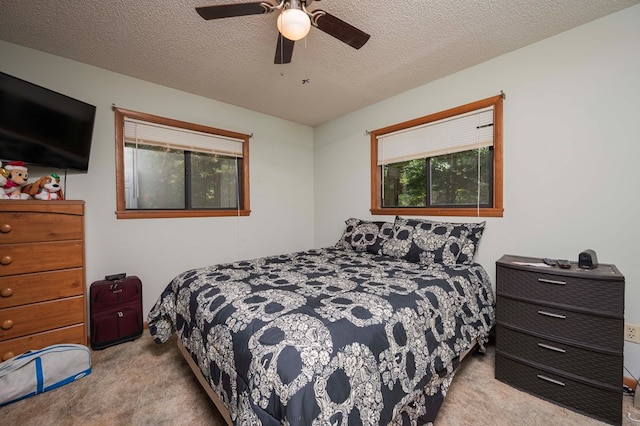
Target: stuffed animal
{"x":4,"y":174}
{"x":45,"y":188}
{"x":17,"y":176}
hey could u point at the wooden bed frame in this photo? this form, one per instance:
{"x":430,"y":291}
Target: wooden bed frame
{"x":216,"y":399}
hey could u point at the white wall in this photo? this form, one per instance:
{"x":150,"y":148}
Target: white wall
{"x":571,"y":150}
{"x":281,"y":158}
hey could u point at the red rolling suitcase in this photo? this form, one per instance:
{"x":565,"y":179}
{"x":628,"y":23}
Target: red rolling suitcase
{"x":115,"y":310}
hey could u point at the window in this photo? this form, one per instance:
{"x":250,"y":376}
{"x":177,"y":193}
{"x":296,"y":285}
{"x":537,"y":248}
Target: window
{"x":444,"y":164}
{"x":170,"y":168}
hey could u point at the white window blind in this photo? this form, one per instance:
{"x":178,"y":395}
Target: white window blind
{"x":459,"y":133}
{"x":144,"y":133}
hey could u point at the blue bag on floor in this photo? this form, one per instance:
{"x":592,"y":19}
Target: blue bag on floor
{"x":40,"y":371}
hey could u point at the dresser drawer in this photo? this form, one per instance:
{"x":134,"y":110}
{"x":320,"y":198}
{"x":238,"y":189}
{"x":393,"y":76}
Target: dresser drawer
{"x":588,"y":294}
{"x":24,"y":258}
{"x":601,"y":403}
{"x":26,"y":227}
{"x":601,"y":367}
{"x":30,"y":288}
{"x":71,"y":334}
{"x":22,"y":320}
{"x":600,"y":333}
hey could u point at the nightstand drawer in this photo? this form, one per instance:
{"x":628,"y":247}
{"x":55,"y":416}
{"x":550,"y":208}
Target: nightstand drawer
{"x":598,"y":402}
{"x":598,"y":366}
{"x":597,"y":296}
{"x":37,"y":317}
{"x":600,"y":333}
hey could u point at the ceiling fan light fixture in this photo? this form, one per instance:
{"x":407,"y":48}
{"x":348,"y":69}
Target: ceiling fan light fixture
{"x":294,"y":24}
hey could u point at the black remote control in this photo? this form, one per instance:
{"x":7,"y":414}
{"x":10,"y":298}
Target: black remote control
{"x":564,"y":264}
{"x":550,"y":262}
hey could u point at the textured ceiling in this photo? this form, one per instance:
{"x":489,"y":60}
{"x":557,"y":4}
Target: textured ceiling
{"x":231,"y":60}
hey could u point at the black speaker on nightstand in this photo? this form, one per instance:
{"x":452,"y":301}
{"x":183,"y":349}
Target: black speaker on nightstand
{"x":587,"y":259}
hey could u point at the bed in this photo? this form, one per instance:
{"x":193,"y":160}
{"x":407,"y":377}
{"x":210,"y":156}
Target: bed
{"x":369,"y":331}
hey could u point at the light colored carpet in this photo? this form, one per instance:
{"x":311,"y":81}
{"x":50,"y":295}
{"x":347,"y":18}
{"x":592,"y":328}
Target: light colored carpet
{"x":141,"y":383}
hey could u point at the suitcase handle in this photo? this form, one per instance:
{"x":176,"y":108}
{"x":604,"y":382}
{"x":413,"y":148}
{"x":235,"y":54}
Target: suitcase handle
{"x":115,"y":277}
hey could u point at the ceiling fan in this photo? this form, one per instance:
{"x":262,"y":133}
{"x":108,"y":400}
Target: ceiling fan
{"x":293,"y":22}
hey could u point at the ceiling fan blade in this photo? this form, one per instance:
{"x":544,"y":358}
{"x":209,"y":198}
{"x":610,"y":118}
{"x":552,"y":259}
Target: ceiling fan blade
{"x":231,"y":10}
{"x":341,"y":30}
{"x":284,"y":50}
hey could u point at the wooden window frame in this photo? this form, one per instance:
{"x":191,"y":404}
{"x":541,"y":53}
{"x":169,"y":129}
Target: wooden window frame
{"x":376,"y":171}
{"x":123,"y":213}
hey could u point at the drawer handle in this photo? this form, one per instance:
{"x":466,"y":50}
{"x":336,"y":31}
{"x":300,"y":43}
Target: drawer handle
{"x":7,"y":355}
{"x":553,"y":348}
{"x":543,"y":280}
{"x":6,"y":292}
{"x":6,"y":260}
{"x":7,"y":324}
{"x":549,"y":314}
{"x":5,"y":228}
{"x":549,"y":379}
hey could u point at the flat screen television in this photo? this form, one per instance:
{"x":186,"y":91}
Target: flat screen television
{"x":43,"y":128}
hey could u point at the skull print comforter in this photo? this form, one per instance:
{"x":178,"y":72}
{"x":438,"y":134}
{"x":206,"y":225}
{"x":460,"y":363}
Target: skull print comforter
{"x":327,"y":336}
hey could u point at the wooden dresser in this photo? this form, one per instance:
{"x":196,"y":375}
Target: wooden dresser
{"x":42,"y":275}
{"x":559,"y":334}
